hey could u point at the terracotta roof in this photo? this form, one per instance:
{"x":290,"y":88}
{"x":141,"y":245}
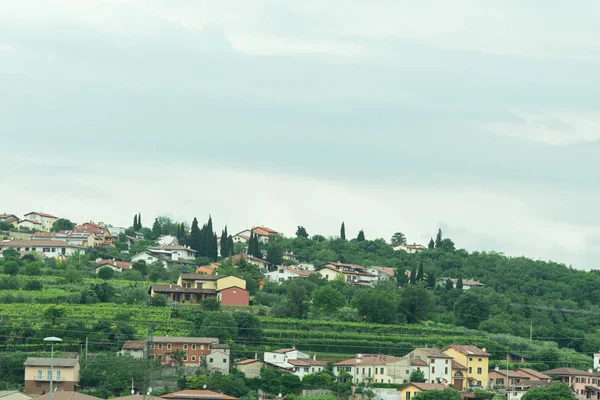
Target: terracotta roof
{"x":137,"y":397}
{"x":198,"y":394}
{"x":510,"y":374}
{"x":417,"y":362}
{"x":201,"y":277}
{"x":458,"y":366}
{"x":432,"y":353}
{"x":37,"y":243}
{"x":283,"y":351}
{"x":45,"y":362}
{"x":534,"y":373}
{"x":427,"y":386}
{"x":66,"y":395}
{"x":370,"y":359}
{"x":178,"y":339}
{"x":306,"y":362}
{"x":298,"y":271}
{"x":133,"y":345}
{"x":246,"y":362}
{"x":468,"y":350}
{"x":41,"y":214}
{"x":172,"y":247}
{"x":219,"y":346}
{"x":567,"y":371}
{"x":3,"y":216}
{"x":32,"y":221}
{"x":160,"y":288}
{"x":386,"y":270}
{"x":237,"y":257}
{"x":264,"y":231}
{"x":114,"y":263}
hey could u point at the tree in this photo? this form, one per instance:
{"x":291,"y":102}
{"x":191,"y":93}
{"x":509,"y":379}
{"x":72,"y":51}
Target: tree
{"x":447,"y":245}
{"x":210,"y":304}
{"x":106,"y":273}
{"x":249,"y":327}
{"x":251,"y":244}
{"x":415,"y":303}
{"x":374,"y":306}
{"x":420,"y":272}
{"x":32,"y":269}
{"x":438,"y":239}
{"x":431,"y":244}
{"x":11,"y":268}
{"x":361,"y":236}
{"x":471,"y":309}
{"x":178,"y":356}
{"x":135,"y":223}
{"x":217,"y":324}
{"x":459,"y":282}
{"x":139,"y":220}
{"x":343,"y":232}
{"x":226,"y":246}
{"x":417,"y":376}
{"x":446,"y":394}
{"x":431,"y":280}
{"x":558,"y":391}
{"x":195,"y":241}
{"x":140,"y":266}
{"x":157,"y":228}
{"x":62,"y":224}
{"x":301,"y":232}
{"x":412,"y":279}
{"x":449,"y":284}
{"x":328,"y":298}
{"x":398,"y":238}
{"x":275,"y":252}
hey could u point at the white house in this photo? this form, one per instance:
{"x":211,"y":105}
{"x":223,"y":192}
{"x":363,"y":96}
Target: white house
{"x":116,"y":230}
{"x":242,"y":237}
{"x":409,"y":248}
{"x":182,"y":252}
{"x":168,"y":240}
{"x":439,"y":365}
{"x":279,"y":358}
{"x":263,"y":233}
{"x":135,"y":348}
{"x":117,"y":266}
{"x":351,"y":273}
{"x":303,"y":367}
{"x":45,"y":220}
{"x":30,"y":224}
{"x":283,"y":273}
{"x":367,"y":368}
{"x":165,"y":257}
{"x":382,"y":273}
{"x":49,"y":248}
{"x":218,"y":359}
{"x":467,"y":284}
{"x":257,"y":262}
{"x":596,"y":361}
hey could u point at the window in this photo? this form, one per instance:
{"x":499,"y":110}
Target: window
{"x":160,"y":346}
{"x":478,"y":383}
{"x":407,"y":395}
{"x":470,"y":370}
{"x":39,"y":374}
{"x":54,"y":250}
{"x":185,"y":357}
{"x":500,"y":381}
{"x":433,"y":370}
{"x":382,"y":371}
{"x":160,"y":357}
{"x":210,"y":360}
{"x":446,"y":370}
{"x":185,"y":346}
{"x":46,"y":249}
{"x":152,"y":356}
{"x":479,"y":359}
{"x":479,"y":370}
{"x":193,"y":347}
{"x":49,"y":375}
{"x":446,"y":362}
{"x":58,"y":375}
{"x":224,"y":361}
{"x":168,"y":346}
{"x":193,"y":358}
{"x":470,"y":358}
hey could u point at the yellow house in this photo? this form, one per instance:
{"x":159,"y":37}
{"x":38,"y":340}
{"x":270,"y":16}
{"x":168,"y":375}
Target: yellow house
{"x":215,"y":282}
{"x":474,"y":359}
{"x":65,"y":374}
{"x":409,"y":391}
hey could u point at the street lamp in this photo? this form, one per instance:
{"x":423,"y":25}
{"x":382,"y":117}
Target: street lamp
{"x":52,"y":340}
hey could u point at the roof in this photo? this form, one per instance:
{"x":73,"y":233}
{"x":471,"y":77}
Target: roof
{"x":45,"y":362}
{"x":37,"y":243}
{"x":3,"y":216}
{"x":133,"y":345}
{"x":357,"y":269}
{"x":10,"y":393}
{"x":219,"y":346}
{"x":202,"y":277}
{"x":417,"y":362}
{"x":263,"y":230}
{"x":510,"y":374}
{"x":178,"y":339}
{"x":427,"y":386}
{"x":534,"y":373}
{"x":468,"y":350}
{"x":197,"y":394}
{"x":173,"y":247}
{"x":237,"y":258}
{"x":410,"y":246}
{"x":41,"y":214}
{"x":306,"y":362}
{"x":385,"y":270}
{"x":370,"y":359}
{"x":465,"y":281}
{"x":297,"y":271}
{"x":160,"y":288}
{"x":66,"y":395}
{"x":246,"y":362}
{"x":136,"y":397}
{"x":114,"y":263}
{"x":283,"y":351}
{"x":30,"y":220}
{"x":432,"y":353}
{"x":458,"y":366}
{"x":567,"y":371}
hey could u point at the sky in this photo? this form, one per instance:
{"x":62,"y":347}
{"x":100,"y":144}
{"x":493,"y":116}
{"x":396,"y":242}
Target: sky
{"x":480,"y":117}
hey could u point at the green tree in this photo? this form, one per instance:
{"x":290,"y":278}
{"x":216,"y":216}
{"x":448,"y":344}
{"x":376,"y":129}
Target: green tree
{"x":106,"y":273}
{"x":301,"y":232}
{"x":398,"y":238}
{"x":417,"y":376}
{"x":361,"y":236}
{"x":416,"y":303}
{"x":438,"y":239}
{"x":62,"y":224}
{"x":431,"y":280}
{"x":157,"y":301}
{"x":11,"y":268}
{"x":195,"y":240}
{"x":249,"y":327}
{"x":275,"y":252}
{"x":54,"y":312}
{"x":412,"y":279}
{"x":374,"y":306}
{"x":449,"y":284}
{"x":459,"y":282}
{"x":446,"y":394}
{"x":327,"y":298}
{"x":431,"y":244}
{"x":141,"y":267}
{"x":471,"y":309}
{"x":558,"y":391}
{"x":226,"y":246}
{"x":447,"y":245}
{"x":343,"y":232}
{"x":135,"y":222}
{"x":420,"y":272}
{"x":217,"y":324}
{"x":210,"y":304}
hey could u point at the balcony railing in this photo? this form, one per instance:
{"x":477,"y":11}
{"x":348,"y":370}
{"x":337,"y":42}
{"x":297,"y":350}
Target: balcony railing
{"x":47,"y":379}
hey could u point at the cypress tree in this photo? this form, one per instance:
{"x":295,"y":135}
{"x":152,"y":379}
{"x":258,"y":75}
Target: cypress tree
{"x":413,"y":276}
{"x":459,"y":282}
{"x":214,"y":247}
{"x":224,"y":243}
{"x":195,"y":242}
{"x":139,"y":221}
{"x":135,"y":222}
{"x":431,"y":244}
{"x":361,"y":236}
{"x":343,"y":232}
{"x":230,"y":246}
{"x":251,"y":244}
{"x":420,"y":272}
{"x":438,"y":239}
{"x":449,"y":284}
{"x":431,"y":280}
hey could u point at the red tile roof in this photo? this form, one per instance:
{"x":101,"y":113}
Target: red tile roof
{"x":427,"y":386}
{"x":42,"y":214}
{"x":458,"y":366}
{"x":198,"y":394}
{"x":245,"y":362}
{"x":114,"y":263}
{"x":567,"y":371}
{"x":468,"y":350}
{"x":417,"y":362}
{"x":133,"y":345}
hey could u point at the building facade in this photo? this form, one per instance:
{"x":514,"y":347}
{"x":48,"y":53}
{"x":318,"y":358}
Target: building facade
{"x":65,"y":374}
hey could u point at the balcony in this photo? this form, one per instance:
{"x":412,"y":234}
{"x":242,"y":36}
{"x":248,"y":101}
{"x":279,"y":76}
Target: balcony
{"x":47,"y":379}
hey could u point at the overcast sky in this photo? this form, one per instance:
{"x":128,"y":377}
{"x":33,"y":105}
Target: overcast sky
{"x":479,"y":117}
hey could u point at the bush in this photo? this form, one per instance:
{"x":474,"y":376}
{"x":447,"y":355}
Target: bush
{"x":157,"y":301}
{"x":106,"y":273}
{"x":34,"y":284}
{"x":210,"y":304}
{"x":11,"y":268}
{"x":32,"y":269}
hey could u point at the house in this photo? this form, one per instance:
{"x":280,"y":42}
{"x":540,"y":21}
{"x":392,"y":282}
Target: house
{"x":207,"y":269}
{"x":66,"y":395}
{"x":302,"y":367}
{"x":517,"y":392}
{"x":476,"y":361}
{"x":280,"y":358}
{"x":367,"y":368}
{"x":30,"y":224}
{"x":193,"y":288}
{"x":501,"y":378}
{"x":283,"y":273}
{"x":383,"y":273}
{"x":517,"y":358}
{"x":182,"y":252}
{"x":116,"y":231}
{"x":10,"y":219}
{"x":351,"y":273}
{"x":38,"y":376}
{"x":467,"y":284}
{"x":164,"y":257}
{"x":459,"y":376}
{"x":241,"y":237}
{"x":83,"y":239}
{"x":135,"y":348}
{"x":534,"y":375}
{"x":409,"y":391}
{"x":289,"y":256}
{"x":251,"y":367}
{"x":439,"y":365}
{"x":409,"y":248}
{"x":197,"y":394}
{"x":583,"y":383}
{"x":49,"y":248}
{"x":43,"y":221}
{"x":257,"y":262}
{"x":194,"y":348}
{"x":102,"y":233}
{"x":596,"y":361}
{"x":218,"y":358}
{"x":168,"y":240}
{"x":263,"y":233}
{"x":13,"y":395}
{"x":117,"y":266}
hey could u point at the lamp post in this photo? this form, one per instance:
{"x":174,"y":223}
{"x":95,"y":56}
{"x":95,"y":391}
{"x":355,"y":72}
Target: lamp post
{"x":52,"y":340}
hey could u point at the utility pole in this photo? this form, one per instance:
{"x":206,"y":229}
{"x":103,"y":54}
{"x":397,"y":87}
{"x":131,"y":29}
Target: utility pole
{"x":531,"y":330}
{"x":86,"y":347}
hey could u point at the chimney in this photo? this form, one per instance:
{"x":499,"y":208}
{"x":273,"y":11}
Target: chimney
{"x":294,"y":346}
{"x":497,"y":368}
{"x":484,"y":349}
{"x":314,"y":357}
{"x":256,"y":356}
{"x":359,"y":358}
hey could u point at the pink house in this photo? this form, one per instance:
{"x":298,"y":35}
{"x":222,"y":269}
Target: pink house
{"x":584,"y":384}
